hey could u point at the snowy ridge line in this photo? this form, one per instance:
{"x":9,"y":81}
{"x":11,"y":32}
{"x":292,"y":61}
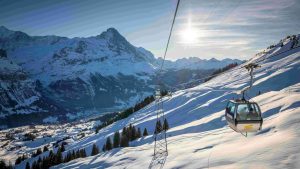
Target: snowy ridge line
{"x":270,"y":56}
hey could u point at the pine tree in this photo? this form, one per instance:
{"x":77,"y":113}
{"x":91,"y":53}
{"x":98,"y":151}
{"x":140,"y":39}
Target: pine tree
{"x":67,"y":157}
{"x":108,"y":144}
{"x":73,"y":156}
{"x":51,"y":153}
{"x":59,"y":157}
{"x":62,"y":148}
{"x":39,"y":163}
{"x":95,"y":150}
{"x":77,"y":154}
{"x":124,"y":141}
{"x":166,"y":125}
{"x":34,"y":165}
{"x":39,"y":151}
{"x":18,"y":160}
{"x":139,"y":133}
{"x":45,"y":163}
{"x":104,"y":148}
{"x":39,"y":160}
{"x":51,"y":158}
{"x":82,"y":153}
{"x":128,"y":131}
{"x":133,"y":133}
{"x":116,"y":139}
{"x":45,"y":149}
{"x":145,"y":133}
{"x":2,"y":164}
{"x":27,"y":165}
{"x":124,"y":131}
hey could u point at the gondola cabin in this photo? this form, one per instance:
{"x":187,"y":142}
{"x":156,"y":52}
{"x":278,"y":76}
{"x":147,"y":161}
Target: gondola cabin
{"x":243,"y":116}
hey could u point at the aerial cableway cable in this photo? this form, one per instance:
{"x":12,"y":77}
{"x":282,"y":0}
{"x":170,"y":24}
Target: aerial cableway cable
{"x":170,"y":34}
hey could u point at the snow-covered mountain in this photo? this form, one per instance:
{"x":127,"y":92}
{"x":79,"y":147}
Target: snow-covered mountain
{"x":199,"y":136}
{"x":95,"y":74}
{"x":91,"y":75}
{"x":52,"y":58}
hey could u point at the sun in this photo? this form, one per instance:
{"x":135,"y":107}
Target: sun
{"x":189,"y":35}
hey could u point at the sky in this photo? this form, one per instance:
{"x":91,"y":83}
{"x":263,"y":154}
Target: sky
{"x":203,"y":28}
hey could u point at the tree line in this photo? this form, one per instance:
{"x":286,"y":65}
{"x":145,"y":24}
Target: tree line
{"x":55,"y":158}
{"x":124,"y":114}
{"x":122,"y":139}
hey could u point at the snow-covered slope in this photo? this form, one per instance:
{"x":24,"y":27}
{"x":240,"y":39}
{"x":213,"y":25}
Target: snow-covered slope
{"x":199,"y":136}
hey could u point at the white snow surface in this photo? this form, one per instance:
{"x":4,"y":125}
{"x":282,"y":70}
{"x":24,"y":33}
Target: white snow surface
{"x":199,"y":136}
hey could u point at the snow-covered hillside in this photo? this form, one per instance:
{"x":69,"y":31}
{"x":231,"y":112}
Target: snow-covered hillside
{"x":199,"y":136}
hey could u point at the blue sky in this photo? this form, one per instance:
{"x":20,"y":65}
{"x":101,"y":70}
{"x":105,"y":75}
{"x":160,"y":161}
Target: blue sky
{"x":204,"y":29}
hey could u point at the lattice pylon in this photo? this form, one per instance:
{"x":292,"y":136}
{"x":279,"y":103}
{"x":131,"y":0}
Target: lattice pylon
{"x":160,"y":145}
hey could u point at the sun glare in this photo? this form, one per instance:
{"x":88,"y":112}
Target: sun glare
{"x":189,"y":35}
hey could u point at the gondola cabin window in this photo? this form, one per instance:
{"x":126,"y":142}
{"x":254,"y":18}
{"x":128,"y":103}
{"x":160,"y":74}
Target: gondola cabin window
{"x":230,"y":108}
{"x":247,"y":112}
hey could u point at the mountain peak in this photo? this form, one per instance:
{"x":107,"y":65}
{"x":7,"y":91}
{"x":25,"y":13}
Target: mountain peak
{"x":17,"y":35}
{"x":111,"y":33}
{"x":213,"y":59}
{"x":113,"y":30}
{"x":5,"y":32}
{"x":3,"y":28}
